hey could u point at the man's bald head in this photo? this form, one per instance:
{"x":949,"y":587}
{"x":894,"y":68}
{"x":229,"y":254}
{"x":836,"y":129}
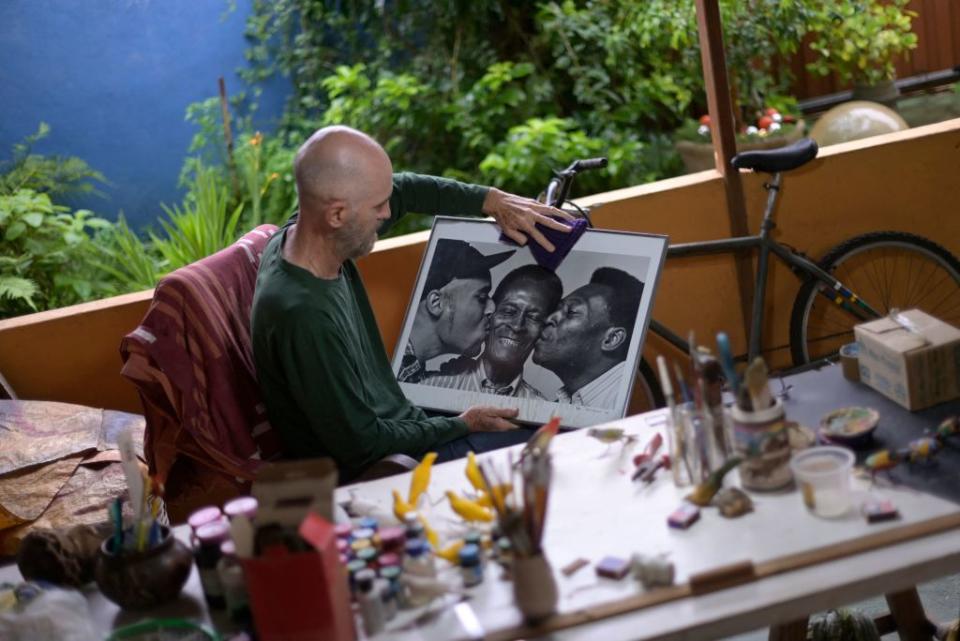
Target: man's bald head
{"x":336,"y":164}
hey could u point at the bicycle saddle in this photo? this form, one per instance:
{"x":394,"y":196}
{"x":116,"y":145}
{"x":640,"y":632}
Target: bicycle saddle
{"x":772,"y":161}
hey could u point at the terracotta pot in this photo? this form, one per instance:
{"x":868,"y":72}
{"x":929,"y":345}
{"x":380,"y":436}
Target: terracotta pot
{"x":534,"y":588}
{"x":138,"y":580}
{"x":698,"y":156}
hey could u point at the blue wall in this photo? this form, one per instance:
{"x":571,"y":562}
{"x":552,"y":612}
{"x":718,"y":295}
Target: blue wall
{"x":113,"y":79}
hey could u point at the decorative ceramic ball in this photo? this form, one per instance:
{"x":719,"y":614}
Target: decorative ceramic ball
{"x":855,"y":120}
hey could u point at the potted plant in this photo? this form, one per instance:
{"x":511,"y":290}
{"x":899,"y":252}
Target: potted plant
{"x":859,"y":40}
{"x":766,"y":128}
{"x":756,"y":35}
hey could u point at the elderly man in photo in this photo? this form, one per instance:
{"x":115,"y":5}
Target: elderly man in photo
{"x":451,"y":316}
{"x":321,"y":363}
{"x":523,"y":300}
{"x":585,"y":341}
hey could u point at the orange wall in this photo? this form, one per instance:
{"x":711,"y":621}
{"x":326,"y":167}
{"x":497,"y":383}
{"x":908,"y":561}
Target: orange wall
{"x":906,"y":181}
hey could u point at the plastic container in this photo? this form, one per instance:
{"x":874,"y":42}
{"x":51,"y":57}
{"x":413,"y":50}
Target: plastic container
{"x":823,"y":474}
{"x":850,"y":361}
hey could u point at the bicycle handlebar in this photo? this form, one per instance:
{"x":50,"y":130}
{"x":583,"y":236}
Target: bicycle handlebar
{"x":559,"y":186}
{"x":588,"y":164}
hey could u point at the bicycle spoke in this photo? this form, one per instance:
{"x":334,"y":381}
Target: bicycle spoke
{"x":885,"y":270}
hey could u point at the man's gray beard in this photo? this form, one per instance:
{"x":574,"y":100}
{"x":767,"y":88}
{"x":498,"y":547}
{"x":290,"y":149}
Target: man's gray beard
{"x":350,"y":247}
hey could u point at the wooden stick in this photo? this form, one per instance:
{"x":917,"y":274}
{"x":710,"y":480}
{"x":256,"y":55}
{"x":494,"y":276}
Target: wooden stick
{"x":228,"y":135}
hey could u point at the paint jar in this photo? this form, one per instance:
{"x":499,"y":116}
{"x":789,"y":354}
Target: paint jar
{"x":242,"y":505}
{"x":234,"y":587}
{"x":418,"y":562}
{"x":762,"y":440}
{"x":201,"y":517}
{"x":850,"y":361}
{"x":392,"y":540}
{"x":371,"y":603}
{"x":207,"y":555}
{"x":823,"y":474}
{"x":471,"y":570}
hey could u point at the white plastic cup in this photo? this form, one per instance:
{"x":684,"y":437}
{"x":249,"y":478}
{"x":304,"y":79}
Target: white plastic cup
{"x":823,"y":475}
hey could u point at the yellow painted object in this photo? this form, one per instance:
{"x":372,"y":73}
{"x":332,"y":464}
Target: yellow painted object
{"x":473,"y":473}
{"x":469,"y":510}
{"x":421,"y":478}
{"x":400,"y":507}
{"x":430,"y":533}
{"x":500,"y":492}
{"x":451,"y":553}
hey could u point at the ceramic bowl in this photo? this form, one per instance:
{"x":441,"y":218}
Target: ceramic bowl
{"x":852,"y":426}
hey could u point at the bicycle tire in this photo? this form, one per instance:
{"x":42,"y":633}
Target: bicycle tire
{"x":647,"y":386}
{"x":886,"y":269}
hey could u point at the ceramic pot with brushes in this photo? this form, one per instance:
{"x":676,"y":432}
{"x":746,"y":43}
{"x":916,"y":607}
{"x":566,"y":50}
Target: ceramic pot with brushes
{"x":534,"y":588}
{"x":138,"y":580}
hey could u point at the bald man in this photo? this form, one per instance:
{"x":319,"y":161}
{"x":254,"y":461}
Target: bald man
{"x":321,"y":363}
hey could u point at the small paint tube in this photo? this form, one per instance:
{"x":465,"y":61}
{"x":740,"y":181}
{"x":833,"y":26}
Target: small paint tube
{"x":877,"y":511}
{"x":574,"y":566}
{"x":684,"y":516}
{"x":613,"y":567}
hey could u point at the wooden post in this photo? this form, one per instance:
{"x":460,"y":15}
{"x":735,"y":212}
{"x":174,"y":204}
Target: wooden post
{"x":228,"y":136}
{"x":722,"y":130}
{"x":793,"y":631}
{"x":911,"y":620}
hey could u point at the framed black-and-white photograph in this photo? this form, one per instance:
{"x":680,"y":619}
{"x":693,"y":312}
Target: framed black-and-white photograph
{"x":487,"y":325}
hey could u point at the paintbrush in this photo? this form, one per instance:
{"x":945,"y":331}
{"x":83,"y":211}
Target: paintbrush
{"x":131,"y":470}
{"x":726,"y":361}
{"x":756,"y":381}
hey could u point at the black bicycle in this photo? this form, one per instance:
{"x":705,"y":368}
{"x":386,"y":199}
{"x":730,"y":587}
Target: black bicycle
{"x":862,"y":278}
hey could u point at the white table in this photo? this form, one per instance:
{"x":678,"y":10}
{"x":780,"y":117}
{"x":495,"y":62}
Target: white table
{"x":596,"y":511}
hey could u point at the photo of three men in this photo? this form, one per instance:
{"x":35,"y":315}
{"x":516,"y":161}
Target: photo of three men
{"x":492,"y":320}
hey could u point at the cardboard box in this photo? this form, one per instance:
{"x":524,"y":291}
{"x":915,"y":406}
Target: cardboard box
{"x":301,"y":596}
{"x":911,"y":358}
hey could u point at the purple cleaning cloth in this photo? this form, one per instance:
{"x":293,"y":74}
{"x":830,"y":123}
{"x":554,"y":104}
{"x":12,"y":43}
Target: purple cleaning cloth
{"x":562,"y":241}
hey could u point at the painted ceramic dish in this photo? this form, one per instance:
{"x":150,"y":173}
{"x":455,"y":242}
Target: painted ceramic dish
{"x":849,"y":425}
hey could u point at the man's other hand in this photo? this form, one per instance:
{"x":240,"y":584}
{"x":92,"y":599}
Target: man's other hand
{"x":489,"y":419}
{"x":518,"y":216}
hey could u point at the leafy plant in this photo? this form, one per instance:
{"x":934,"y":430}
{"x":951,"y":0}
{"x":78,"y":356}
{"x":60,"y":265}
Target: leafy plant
{"x":133,"y":263}
{"x":204,"y":224}
{"x":46,"y":254}
{"x":859,"y":40}
{"x":53,"y":175}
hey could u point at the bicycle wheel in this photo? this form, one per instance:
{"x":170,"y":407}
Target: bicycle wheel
{"x":647,"y":394}
{"x":887,"y":270}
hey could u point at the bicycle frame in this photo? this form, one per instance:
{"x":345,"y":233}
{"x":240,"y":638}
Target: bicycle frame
{"x":764,"y":244}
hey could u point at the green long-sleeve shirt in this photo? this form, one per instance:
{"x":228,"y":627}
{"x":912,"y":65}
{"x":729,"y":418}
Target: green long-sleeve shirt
{"x":320,"y":360}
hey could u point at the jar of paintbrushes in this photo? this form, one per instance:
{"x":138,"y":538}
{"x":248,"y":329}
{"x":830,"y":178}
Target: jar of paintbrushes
{"x":697,"y":428}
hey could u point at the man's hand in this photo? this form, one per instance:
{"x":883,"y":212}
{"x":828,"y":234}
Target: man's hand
{"x":517,"y":217}
{"x":489,"y":419}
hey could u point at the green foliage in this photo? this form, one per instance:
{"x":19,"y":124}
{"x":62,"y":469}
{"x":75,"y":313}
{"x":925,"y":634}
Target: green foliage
{"x":53,"y":175}
{"x":203,"y":225}
{"x":521,"y":163}
{"x":133,"y":264}
{"x":46,"y":254}
{"x":859,"y":40}
{"x":843,"y":624}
